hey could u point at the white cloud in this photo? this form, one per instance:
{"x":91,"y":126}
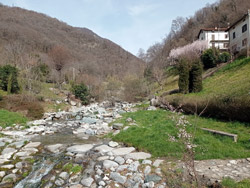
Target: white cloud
{"x":139,"y":9}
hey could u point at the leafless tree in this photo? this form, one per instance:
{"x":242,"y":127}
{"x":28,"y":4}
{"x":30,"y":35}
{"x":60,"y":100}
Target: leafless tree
{"x":60,"y":56}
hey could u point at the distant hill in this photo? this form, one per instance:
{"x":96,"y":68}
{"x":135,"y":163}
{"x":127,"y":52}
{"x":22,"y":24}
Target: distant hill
{"x":31,"y":32}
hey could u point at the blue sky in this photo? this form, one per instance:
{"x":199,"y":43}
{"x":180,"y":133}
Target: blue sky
{"x":132,"y":24}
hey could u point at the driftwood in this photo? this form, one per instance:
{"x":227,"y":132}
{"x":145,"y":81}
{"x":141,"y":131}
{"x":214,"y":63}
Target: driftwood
{"x":234,"y":136}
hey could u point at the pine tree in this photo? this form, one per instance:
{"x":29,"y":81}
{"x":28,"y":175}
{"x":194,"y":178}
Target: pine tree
{"x":195,"y":77}
{"x":183,"y":76}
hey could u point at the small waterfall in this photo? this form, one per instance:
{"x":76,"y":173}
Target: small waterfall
{"x":39,"y":170}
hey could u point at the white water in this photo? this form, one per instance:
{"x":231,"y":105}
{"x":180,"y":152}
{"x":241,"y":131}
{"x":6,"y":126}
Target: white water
{"x":41,"y":169}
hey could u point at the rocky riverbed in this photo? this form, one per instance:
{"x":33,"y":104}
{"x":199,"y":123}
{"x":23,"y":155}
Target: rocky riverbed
{"x":67,"y":149}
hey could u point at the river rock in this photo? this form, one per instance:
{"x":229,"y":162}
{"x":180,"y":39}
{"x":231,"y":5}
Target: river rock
{"x":117,"y":126}
{"x":56,"y":148}
{"x":7,"y":153}
{"x":103,"y":149}
{"x":2,"y":144}
{"x":118,"y":177}
{"x":64,"y":175}
{"x":147,"y":170}
{"x":123,"y":151}
{"x":10,"y":178}
{"x":138,"y":156}
{"x":89,"y":120}
{"x":76,"y":186}
{"x":134,"y":166}
{"x":157,"y":163}
{"x":33,"y":145}
{"x":102,"y":158}
{"x":87,"y":181}
{"x":10,"y":166}
{"x":80,"y":148}
{"x":2,"y":174}
{"x":19,"y":165}
{"x":107,"y":164}
{"x":113,"y":144}
{"x":153,"y":178}
{"x":149,"y":162}
{"x":120,"y":160}
{"x":59,"y":182}
{"x":18,"y":144}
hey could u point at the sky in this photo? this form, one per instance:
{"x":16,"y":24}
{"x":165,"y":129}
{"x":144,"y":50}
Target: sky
{"x":132,"y":24}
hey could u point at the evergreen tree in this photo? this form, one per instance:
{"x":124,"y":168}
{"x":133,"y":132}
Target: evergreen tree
{"x":8,"y":79}
{"x":195,"y":77}
{"x":183,"y":76}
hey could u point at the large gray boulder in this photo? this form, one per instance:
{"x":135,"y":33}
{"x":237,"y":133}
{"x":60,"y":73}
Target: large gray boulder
{"x":80,"y":148}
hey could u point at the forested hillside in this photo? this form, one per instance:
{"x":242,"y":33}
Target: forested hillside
{"x":185,"y":30}
{"x":28,"y":37}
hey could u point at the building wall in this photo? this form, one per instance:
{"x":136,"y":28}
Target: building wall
{"x":237,"y":42}
{"x":216,"y":37}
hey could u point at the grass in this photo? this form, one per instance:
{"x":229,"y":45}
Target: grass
{"x":9,"y":118}
{"x":230,"y":80}
{"x":70,"y":168}
{"x":151,"y":135}
{"x":230,"y":183}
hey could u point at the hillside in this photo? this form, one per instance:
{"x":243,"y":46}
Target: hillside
{"x":24,"y":32}
{"x":221,"y":14}
{"x":226,"y":93}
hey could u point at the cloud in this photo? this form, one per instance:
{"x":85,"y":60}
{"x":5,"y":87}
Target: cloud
{"x":140,"y":9}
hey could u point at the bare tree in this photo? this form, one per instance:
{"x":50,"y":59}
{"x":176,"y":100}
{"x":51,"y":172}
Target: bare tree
{"x":60,"y":56}
{"x":158,"y":75}
{"x":14,"y":52}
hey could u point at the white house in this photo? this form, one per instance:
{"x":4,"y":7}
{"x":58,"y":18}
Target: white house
{"x":239,"y":34}
{"x":216,"y":37}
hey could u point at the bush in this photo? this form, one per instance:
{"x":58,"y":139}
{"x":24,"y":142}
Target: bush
{"x":81,"y":91}
{"x":8,"y":79}
{"x":1,"y":97}
{"x":183,"y":76}
{"x":224,"y":57}
{"x":209,"y":58}
{"x":195,"y":77}
{"x":135,"y":89}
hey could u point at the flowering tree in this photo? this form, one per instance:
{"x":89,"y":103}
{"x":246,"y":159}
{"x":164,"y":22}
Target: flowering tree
{"x":191,"y":51}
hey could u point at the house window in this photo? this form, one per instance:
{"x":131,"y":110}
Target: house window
{"x":244,"y":28}
{"x":234,"y":35}
{"x":225,"y":45}
{"x":226,"y":36}
{"x":244,"y":42}
{"x":213,"y":37}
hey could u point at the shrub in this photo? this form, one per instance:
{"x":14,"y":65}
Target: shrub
{"x":183,"y":76}
{"x":8,"y":79}
{"x":209,"y":58}
{"x":42,"y":70}
{"x":81,"y":91}
{"x":224,"y":57}
{"x":1,"y":97}
{"x":195,"y":77}
{"x":135,"y":89}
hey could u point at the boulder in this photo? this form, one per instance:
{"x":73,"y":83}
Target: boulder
{"x":87,"y":181}
{"x":80,"y":148}
{"x":103,"y":149}
{"x":118,"y":177}
{"x":56,"y":148}
{"x":117,"y":126}
{"x":123,"y":151}
{"x":138,"y":156}
{"x":107,"y":164}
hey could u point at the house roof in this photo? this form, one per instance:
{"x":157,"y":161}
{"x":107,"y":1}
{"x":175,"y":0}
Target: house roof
{"x":212,"y":29}
{"x":247,"y":14}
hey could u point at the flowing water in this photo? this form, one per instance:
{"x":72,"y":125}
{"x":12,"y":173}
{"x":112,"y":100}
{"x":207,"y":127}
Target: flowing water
{"x":39,"y":170}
